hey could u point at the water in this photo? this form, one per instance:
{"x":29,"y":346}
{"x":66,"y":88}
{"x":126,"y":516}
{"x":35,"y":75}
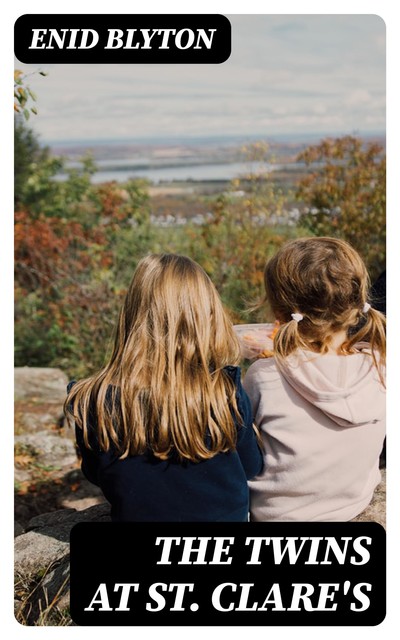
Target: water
{"x":201,"y":173}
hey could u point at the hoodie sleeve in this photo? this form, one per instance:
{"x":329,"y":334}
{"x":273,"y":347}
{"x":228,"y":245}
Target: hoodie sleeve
{"x":252,"y":388}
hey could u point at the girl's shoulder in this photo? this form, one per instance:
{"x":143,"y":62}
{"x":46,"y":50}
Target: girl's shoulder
{"x":263,"y":370}
{"x":365,"y":348}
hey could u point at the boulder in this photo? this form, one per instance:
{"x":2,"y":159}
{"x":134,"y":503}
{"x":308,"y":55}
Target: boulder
{"x":40,"y":383}
{"x":48,"y":449}
{"x":376,"y":510}
{"x":41,"y":565}
{"x":39,"y":397}
{"x":45,"y":449}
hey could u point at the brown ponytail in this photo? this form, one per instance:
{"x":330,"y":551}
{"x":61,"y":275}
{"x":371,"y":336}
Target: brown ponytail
{"x":324,"y":282}
{"x":372,"y":331}
{"x":288,"y":339}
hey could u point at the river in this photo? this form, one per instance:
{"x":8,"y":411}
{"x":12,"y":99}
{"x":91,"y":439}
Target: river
{"x":180,"y":173}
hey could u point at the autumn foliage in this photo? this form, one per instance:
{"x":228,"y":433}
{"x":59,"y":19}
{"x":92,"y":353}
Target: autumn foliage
{"x":59,"y":288}
{"x":77,"y":243}
{"x":345,"y":193}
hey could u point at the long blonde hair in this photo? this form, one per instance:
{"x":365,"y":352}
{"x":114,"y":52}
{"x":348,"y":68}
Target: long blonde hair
{"x":325,"y":280}
{"x":164,"y":388}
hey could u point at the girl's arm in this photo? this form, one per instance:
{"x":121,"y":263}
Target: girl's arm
{"x":90,"y":460}
{"x":247,"y":446}
{"x":252,"y":388}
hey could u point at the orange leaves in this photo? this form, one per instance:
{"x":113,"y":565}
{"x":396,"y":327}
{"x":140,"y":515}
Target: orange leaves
{"x":334,"y":149}
{"x":111,"y":198}
{"x":23,"y":461}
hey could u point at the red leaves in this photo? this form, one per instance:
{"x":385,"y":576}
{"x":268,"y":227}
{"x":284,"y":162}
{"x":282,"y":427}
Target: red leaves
{"x":47,"y":248}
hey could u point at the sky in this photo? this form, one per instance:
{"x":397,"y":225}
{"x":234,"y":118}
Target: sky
{"x":287,"y":74}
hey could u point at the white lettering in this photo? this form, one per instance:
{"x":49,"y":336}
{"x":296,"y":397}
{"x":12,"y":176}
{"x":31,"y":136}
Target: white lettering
{"x":114,"y":35}
{"x":167,"y":543}
{"x":178,"y":39}
{"x":38,"y":35}
{"x":206,"y":39}
{"x":361,"y":596}
{"x":148,"y":38}
{"x":102,"y":599}
{"x":215,"y":599}
{"x":166,"y":34}
{"x":125,"y":593}
{"x":358,"y":548}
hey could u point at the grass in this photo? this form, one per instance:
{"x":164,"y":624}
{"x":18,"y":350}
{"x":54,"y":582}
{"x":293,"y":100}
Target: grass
{"x":34,"y":607}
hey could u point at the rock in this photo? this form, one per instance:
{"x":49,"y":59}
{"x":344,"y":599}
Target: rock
{"x":80,"y":504}
{"x":45,"y":449}
{"x":51,"y":449}
{"x":41,"y":384}
{"x":35,"y":550}
{"x":58,"y":524}
{"x":82,"y":494}
{"x":54,"y":520}
{"x":39,"y":399}
{"x":42,"y":598}
{"x":41,"y":562}
{"x":376,"y":510}
{"x":34,"y":416}
{"x":42,"y":451}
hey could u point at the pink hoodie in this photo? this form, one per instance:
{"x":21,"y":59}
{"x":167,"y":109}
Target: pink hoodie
{"x":322,"y":419}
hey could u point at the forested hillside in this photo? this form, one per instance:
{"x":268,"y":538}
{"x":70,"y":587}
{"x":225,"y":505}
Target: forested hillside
{"x":77,"y":242}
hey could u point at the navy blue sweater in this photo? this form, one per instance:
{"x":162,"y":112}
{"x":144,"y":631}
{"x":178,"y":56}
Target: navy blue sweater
{"x":145,"y":488}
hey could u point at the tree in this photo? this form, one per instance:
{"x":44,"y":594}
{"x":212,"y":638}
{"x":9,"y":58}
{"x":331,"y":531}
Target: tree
{"x":23,"y":94}
{"x":63,"y":294}
{"x":28,"y":154}
{"x":344,"y":195}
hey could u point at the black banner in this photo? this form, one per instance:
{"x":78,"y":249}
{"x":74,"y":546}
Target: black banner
{"x":261,"y":574}
{"x":122,"y":39}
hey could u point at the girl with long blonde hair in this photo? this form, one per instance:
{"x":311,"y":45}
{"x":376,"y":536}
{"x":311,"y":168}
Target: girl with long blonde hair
{"x":165,"y":428}
{"x":320,"y":401}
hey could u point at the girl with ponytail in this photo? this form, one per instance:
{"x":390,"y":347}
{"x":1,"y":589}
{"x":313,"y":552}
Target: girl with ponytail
{"x":320,"y":401}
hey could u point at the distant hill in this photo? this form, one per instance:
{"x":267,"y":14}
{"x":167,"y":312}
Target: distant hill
{"x":193,"y":159}
{"x":282,"y":145}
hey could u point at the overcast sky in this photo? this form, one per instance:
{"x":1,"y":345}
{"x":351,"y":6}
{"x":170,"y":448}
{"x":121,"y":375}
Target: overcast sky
{"x":287,"y":74}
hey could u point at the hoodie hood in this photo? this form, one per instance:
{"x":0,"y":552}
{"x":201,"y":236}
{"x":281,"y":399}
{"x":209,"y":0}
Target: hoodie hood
{"x":346,"y":388}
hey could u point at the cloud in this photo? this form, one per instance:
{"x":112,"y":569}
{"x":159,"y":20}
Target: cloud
{"x":288,"y":73}
{"x":358,"y":97}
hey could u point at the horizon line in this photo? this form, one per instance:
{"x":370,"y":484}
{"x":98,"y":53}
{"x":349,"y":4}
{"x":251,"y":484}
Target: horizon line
{"x":276,"y":137}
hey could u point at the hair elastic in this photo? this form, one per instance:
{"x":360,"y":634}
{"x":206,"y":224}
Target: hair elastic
{"x":297,"y":317}
{"x":366,"y":307}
